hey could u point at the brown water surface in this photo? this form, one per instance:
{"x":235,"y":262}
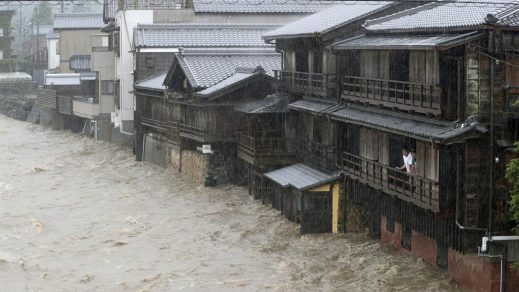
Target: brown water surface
{"x":80,"y":215}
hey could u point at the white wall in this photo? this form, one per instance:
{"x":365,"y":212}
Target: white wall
{"x":127,"y":21}
{"x":53,"y":58}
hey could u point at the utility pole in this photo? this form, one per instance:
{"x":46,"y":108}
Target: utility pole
{"x":62,"y":6}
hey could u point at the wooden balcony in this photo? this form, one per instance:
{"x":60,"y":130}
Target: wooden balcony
{"x":170,"y":129}
{"x":265,"y":149}
{"x":316,"y":84}
{"x":419,"y":190}
{"x":204,"y":135}
{"x":408,"y":96}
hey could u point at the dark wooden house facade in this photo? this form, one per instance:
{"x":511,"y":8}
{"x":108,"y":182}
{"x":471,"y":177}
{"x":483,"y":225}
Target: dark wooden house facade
{"x":310,"y":79}
{"x":444,"y":88}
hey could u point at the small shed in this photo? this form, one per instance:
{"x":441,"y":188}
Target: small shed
{"x":15,"y":85}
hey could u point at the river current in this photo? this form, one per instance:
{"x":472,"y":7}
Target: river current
{"x":81,"y":215}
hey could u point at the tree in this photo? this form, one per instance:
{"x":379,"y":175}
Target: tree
{"x":42,"y":13}
{"x":512,"y":175}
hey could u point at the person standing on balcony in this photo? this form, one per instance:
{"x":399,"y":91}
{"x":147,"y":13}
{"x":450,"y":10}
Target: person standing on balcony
{"x":413,"y":158}
{"x":408,"y":161}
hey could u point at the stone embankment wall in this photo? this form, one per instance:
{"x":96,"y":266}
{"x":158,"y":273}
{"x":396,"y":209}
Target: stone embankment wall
{"x":220,"y":167}
{"x":15,"y":109}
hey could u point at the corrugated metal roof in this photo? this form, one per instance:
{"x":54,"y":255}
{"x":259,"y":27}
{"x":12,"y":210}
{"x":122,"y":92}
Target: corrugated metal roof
{"x":15,"y":77}
{"x":312,"y":106}
{"x":300,"y":176}
{"x":274,"y":103}
{"x":442,"y":15}
{"x":326,"y":20}
{"x":63,"y":79}
{"x":200,"y":35}
{"x":404,"y":42}
{"x":153,"y":83}
{"x":205,"y":69}
{"x":424,"y":128}
{"x":260,"y":6}
{"x":78,"y":21}
{"x":80,"y":62}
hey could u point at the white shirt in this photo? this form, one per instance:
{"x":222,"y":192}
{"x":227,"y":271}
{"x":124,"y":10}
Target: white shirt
{"x":408,"y":161}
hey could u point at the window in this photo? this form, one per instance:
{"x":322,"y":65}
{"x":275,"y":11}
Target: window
{"x":1,"y":31}
{"x":1,"y":54}
{"x":107,"y":87}
{"x":149,"y":62}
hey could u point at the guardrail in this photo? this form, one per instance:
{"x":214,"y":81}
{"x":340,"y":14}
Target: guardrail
{"x":421,"y":191}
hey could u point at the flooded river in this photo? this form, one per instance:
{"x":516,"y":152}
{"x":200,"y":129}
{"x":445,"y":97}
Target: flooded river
{"x":80,"y":215}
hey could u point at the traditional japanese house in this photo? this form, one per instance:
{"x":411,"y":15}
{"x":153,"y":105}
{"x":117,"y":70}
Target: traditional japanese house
{"x":437,"y":78}
{"x":203,"y":86}
{"x":122,"y":17}
{"x":308,"y":191}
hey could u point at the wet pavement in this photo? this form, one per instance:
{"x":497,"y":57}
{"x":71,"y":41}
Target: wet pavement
{"x":81,"y":215}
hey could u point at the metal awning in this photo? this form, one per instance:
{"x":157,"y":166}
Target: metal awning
{"x":312,"y":106}
{"x":62,"y":79}
{"x":301,"y":177}
{"x":405,"y":42}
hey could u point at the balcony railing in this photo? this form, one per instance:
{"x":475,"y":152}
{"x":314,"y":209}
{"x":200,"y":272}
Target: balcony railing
{"x":205,"y":135}
{"x":65,"y":104}
{"x":47,"y":98}
{"x":419,"y":97}
{"x":265,"y":148}
{"x":419,"y":190}
{"x":170,"y":129}
{"x":316,"y":84}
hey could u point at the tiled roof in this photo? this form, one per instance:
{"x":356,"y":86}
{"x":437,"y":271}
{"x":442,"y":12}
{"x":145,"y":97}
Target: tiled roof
{"x":405,"y":42}
{"x":274,"y":103}
{"x":78,"y":21}
{"x":240,"y":76}
{"x":423,"y":128}
{"x":443,"y":16}
{"x":15,"y":77}
{"x":300,"y":176}
{"x":153,"y":83}
{"x":260,"y":6}
{"x":207,"y":68}
{"x":200,"y":35}
{"x":311,"y":106}
{"x":326,"y":20}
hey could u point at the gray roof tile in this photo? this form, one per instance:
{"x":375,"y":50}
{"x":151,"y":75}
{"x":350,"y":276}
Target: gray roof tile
{"x":300,"y":176}
{"x":311,"y":106}
{"x":229,"y":81}
{"x":404,"y":42}
{"x":423,"y":128}
{"x":78,"y":21}
{"x":442,"y":15}
{"x":274,"y":103}
{"x":260,"y":6}
{"x":200,"y":35}
{"x":207,"y":68}
{"x":152,"y":83}
{"x":326,"y":20}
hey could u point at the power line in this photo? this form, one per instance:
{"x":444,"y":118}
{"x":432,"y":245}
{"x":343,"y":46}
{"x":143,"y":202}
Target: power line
{"x":468,"y":3}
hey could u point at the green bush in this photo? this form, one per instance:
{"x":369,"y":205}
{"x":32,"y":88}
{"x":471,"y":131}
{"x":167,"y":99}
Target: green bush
{"x":512,"y":175}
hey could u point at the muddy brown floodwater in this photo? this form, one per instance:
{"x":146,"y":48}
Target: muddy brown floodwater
{"x":80,"y":215}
